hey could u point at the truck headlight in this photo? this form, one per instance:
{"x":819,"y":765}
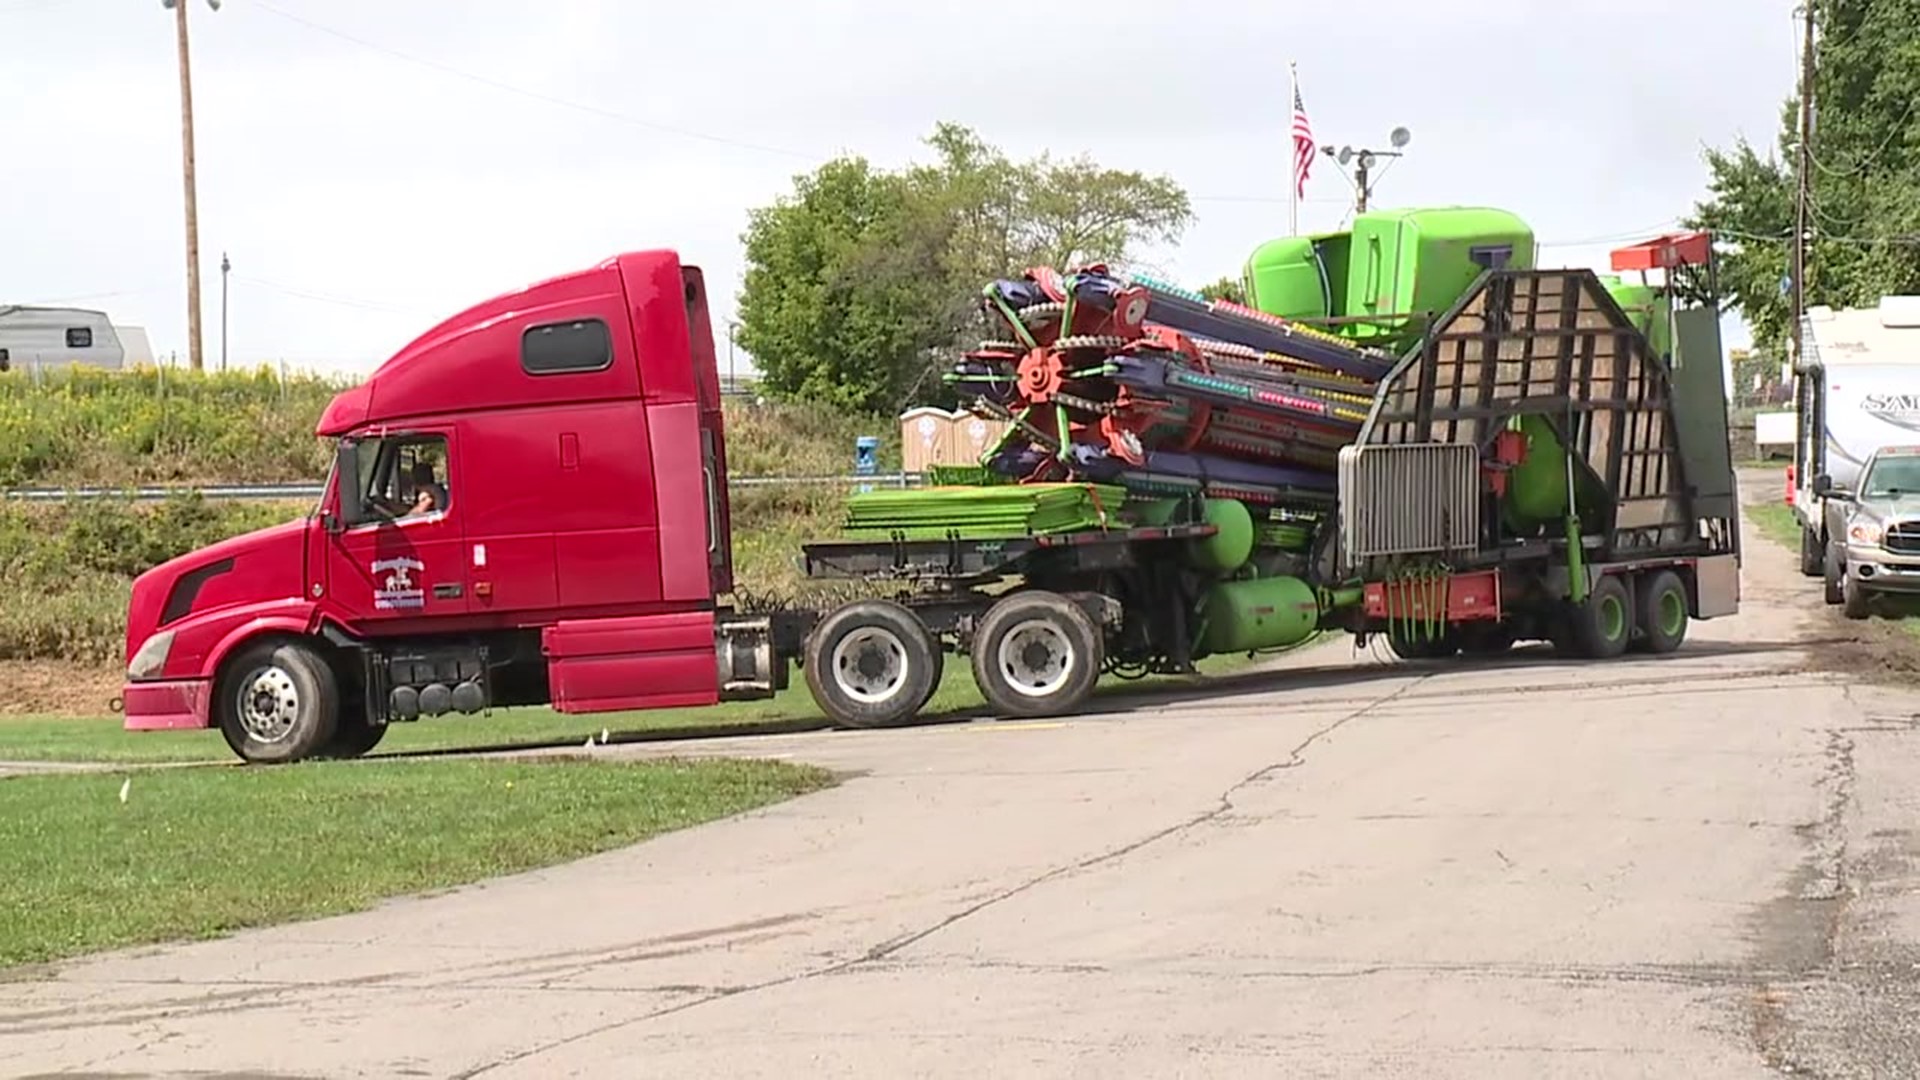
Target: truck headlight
{"x":151,"y":657}
{"x":1864,"y":532}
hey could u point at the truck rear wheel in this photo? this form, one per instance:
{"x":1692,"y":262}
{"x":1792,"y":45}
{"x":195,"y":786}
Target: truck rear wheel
{"x":1413,"y":645}
{"x":1036,"y":653}
{"x":1662,"y":608}
{"x":277,"y":702}
{"x":871,"y":663}
{"x":1601,"y":627}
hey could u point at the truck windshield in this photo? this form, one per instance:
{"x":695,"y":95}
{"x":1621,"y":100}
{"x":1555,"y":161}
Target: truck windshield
{"x":1892,"y":477}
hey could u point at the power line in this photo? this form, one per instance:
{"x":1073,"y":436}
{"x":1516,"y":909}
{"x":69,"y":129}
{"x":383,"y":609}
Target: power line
{"x":536,"y":95}
{"x":325,"y":298}
{"x":626,"y":118}
{"x":1609,"y":238}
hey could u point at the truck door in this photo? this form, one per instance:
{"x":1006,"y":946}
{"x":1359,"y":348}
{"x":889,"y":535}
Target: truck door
{"x":404,"y":557}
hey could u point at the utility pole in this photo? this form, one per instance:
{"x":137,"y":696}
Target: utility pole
{"x":179,"y":9}
{"x":1803,"y":185}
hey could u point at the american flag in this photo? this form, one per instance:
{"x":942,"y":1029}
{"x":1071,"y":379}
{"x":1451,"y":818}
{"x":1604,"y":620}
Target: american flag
{"x":1303,"y":148}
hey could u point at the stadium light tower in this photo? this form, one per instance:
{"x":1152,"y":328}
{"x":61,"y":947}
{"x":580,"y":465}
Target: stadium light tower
{"x":179,"y":9}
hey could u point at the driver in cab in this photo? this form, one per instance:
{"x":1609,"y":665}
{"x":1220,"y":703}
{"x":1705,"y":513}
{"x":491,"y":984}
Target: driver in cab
{"x":428,"y":495}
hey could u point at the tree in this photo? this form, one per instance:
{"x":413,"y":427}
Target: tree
{"x":825,"y":310}
{"x":1865,"y":205}
{"x":862,"y":283}
{"x":1227,"y":288}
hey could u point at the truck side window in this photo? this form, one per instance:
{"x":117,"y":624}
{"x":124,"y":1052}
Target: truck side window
{"x":406,"y":477}
{"x":566,"y":347}
{"x":79,"y":337}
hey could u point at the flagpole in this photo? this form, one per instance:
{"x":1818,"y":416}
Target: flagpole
{"x":1293,"y":186}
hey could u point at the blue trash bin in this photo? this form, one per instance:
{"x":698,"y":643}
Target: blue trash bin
{"x":866,"y":458}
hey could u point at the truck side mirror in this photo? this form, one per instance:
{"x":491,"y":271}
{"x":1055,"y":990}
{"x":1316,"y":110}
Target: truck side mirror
{"x":346,"y":473}
{"x":1822,"y":485}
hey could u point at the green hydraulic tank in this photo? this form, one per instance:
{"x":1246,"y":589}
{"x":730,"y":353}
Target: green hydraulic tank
{"x":1258,"y":613}
{"x":1537,"y":487}
{"x":1229,"y":548}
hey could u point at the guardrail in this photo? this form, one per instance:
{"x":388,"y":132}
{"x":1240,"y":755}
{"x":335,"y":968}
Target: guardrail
{"x":294,"y":492}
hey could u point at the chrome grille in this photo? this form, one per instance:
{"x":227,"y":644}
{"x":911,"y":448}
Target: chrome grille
{"x":1903,"y":537}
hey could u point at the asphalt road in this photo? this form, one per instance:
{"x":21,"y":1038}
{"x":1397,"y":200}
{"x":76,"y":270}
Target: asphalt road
{"x":1701,"y":866}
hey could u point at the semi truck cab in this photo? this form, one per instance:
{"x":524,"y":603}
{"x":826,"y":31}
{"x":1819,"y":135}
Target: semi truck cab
{"x":572,"y":436}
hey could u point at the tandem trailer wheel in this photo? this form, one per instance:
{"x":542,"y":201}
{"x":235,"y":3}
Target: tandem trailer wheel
{"x":1036,"y":653}
{"x":1661,"y":607}
{"x":871,"y":663}
{"x":1602,"y":626}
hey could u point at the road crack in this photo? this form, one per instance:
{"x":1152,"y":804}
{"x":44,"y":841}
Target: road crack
{"x":1224,"y":804}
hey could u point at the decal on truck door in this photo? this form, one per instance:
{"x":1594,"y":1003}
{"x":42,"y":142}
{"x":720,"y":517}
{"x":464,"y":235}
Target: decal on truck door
{"x":398,"y":589}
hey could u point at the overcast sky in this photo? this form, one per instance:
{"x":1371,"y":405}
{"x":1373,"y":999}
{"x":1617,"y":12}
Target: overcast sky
{"x":375,"y":165}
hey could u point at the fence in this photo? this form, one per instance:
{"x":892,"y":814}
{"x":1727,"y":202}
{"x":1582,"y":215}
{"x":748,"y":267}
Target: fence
{"x":299,"y":492}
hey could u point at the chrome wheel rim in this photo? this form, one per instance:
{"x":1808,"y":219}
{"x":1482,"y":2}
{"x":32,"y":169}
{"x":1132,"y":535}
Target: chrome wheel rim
{"x":870,"y":665}
{"x":1036,"y":658}
{"x":269,"y":705}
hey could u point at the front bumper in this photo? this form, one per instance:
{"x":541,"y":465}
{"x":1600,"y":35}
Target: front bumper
{"x":168,"y":705}
{"x":1880,"y":570}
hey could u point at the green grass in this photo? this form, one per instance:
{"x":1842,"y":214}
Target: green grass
{"x":195,"y":853}
{"x":42,"y":739}
{"x":1777,"y":523}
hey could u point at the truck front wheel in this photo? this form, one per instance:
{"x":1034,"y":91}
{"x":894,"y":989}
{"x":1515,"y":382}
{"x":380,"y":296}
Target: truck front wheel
{"x":1036,"y":653}
{"x":1855,"y":602}
{"x":871,"y":663}
{"x":277,"y":702}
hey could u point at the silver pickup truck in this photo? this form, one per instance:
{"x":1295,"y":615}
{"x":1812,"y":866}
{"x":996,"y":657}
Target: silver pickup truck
{"x":1874,"y":531}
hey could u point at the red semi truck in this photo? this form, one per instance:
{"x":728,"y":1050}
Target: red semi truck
{"x":528,"y":506}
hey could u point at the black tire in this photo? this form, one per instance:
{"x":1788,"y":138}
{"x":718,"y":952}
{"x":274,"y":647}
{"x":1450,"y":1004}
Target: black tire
{"x":1855,"y":601}
{"x":1417,"y":646}
{"x":354,"y":738}
{"x":277,"y":703}
{"x":1832,"y":570}
{"x":870,"y":664}
{"x":1662,"y":612}
{"x":1602,"y":626}
{"x":939,"y":655}
{"x":1812,"y":552}
{"x":1036,"y":653}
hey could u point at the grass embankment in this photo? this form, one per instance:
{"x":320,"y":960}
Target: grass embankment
{"x":97,"y":428}
{"x":187,"y":856}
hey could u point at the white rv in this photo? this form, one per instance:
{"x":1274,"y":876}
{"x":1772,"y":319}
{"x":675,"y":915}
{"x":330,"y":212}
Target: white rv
{"x":1857,"y":390}
{"x":54,"y":337}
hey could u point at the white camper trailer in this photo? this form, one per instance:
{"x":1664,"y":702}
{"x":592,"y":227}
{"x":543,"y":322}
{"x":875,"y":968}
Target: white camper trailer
{"x":1857,"y":390}
{"x":46,"y":338}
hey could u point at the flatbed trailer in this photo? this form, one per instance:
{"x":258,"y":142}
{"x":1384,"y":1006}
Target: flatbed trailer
{"x":1533,"y":470}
